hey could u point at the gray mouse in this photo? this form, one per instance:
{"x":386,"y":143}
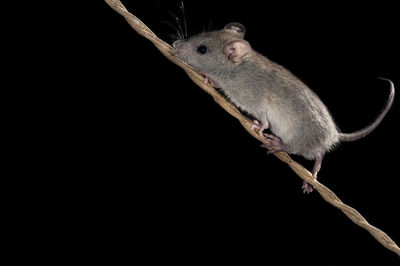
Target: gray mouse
{"x":301,"y":124}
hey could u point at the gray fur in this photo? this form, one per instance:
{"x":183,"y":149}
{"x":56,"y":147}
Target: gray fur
{"x":266,"y":90}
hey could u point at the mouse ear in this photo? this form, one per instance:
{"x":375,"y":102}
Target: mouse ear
{"x":236,"y":28}
{"x":236,"y":51}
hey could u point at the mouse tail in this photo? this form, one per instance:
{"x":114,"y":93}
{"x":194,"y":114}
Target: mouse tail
{"x":345,"y":137}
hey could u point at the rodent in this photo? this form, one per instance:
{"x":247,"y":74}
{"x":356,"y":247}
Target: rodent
{"x":301,"y":124}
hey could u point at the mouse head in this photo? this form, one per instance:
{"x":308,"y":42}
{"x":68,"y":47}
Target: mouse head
{"x":209,"y":51}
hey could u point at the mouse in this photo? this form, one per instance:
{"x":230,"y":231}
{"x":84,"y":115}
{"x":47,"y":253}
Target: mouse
{"x":297,"y":120}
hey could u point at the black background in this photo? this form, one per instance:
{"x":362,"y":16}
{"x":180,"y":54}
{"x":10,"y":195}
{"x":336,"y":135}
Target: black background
{"x":151,"y":159}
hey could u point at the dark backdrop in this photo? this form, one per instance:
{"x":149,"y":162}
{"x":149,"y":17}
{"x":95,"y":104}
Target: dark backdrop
{"x":168,"y":169}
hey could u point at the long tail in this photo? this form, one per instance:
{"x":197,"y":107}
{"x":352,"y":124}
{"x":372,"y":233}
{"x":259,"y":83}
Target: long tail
{"x":365,"y":131}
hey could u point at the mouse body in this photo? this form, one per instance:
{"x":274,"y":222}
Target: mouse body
{"x":299,"y":121}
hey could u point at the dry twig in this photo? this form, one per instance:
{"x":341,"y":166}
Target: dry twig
{"x":303,"y":173}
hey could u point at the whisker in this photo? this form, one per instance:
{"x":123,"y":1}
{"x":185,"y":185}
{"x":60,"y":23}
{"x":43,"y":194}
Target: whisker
{"x":210,"y":25}
{"x":176,"y":21}
{"x":179,"y":24}
{"x":182,"y":7}
{"x":178,"y":33}
{"x":174,"y":37}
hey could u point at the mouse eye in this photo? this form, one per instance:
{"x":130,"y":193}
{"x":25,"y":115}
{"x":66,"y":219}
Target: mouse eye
{"x":202,"y":49}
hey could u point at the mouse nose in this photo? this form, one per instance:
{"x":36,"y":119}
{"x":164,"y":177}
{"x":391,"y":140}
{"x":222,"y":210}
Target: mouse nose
{"x":181,"y":49}
{"x":177,"y":44}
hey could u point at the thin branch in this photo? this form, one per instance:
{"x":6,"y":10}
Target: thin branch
{"x":303,"y":173}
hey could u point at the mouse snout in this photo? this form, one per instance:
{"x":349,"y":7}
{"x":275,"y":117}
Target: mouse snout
{"x":180,"y":48}
{"x":178,"y":44}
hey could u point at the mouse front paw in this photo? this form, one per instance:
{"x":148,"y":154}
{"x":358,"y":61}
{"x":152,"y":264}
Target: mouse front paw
{"x":209,"y":81}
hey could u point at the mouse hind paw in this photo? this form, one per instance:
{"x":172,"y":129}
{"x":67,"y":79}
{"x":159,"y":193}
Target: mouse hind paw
{"x":260,"y":128}
{"x":307,"y":188}
{"x":275,"y":144}
{"x":319,"y":156}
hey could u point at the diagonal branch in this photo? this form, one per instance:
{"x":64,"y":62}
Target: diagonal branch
{"x":303,"y":173}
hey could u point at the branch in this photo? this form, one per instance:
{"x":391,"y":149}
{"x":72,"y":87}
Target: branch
{"x":303,"y":173}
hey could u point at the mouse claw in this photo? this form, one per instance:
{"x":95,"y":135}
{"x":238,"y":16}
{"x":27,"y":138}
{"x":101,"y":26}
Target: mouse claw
{"x":274,"y":144}
{"x":307,"y":188}
{"x":209,"y":81}
{"x":255,"y":125}
{"x":275,"y":150}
